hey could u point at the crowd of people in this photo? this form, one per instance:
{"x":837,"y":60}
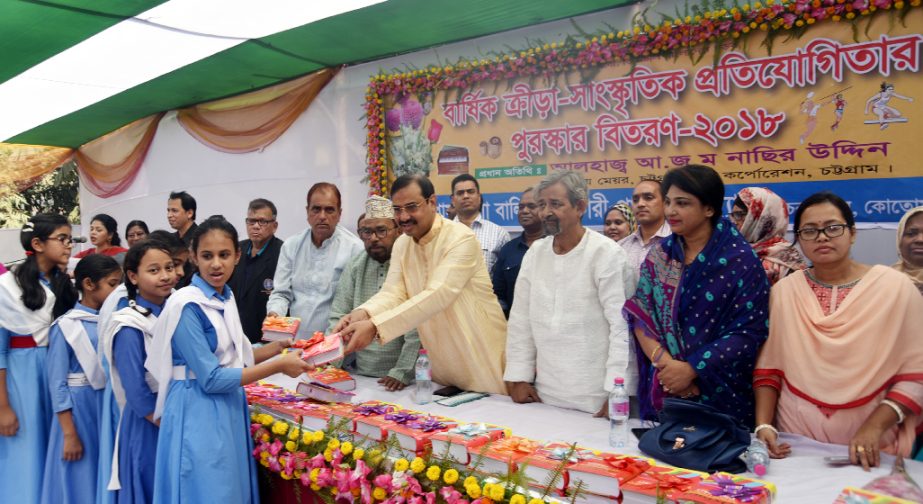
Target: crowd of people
{"x":122,"y":381}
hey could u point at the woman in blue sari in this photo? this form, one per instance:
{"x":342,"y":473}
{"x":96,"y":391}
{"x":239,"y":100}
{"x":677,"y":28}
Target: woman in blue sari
{"x":701,"y":309}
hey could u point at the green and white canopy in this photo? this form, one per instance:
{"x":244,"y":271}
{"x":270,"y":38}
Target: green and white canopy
{"x":74,"y":70}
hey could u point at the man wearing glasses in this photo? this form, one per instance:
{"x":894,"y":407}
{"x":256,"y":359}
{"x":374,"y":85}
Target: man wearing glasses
{"x":252,"y":281}
{"x":310,"y":263}
{"x":438,"y":284}
{"x":363,"y":277}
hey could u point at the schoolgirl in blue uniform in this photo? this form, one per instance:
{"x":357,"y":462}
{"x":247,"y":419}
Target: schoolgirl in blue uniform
{"x":75,"y":384}
{"x":28,"y":296}
{"x":201,"y":358}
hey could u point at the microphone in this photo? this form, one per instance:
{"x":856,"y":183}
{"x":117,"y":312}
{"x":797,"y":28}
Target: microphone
{"x":79,"y":239}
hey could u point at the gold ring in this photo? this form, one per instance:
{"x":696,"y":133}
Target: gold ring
{"x":860,"y":449}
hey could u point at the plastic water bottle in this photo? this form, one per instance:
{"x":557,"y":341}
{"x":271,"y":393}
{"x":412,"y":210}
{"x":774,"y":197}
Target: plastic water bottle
{"x":757,"y":457}
{"x":424,"y":378}
{"x":618,"y":415}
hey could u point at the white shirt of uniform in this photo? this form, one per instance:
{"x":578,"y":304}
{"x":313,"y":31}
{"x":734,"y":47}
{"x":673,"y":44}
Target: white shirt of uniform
{"x":491,"y":237}
{"x":566,"y":331}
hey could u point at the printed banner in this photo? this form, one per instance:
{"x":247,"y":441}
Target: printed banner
{"x":821,"y":112}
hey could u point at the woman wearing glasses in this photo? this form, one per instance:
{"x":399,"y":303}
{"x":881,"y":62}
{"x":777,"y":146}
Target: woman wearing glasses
{"x":843,"y":363}
{"x":762,"y":217}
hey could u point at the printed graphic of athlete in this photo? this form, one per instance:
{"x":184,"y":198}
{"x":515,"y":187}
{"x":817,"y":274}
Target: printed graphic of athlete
{"x":809,"y":107}
{"x":839,"y":106}
{"x":879,"y":106}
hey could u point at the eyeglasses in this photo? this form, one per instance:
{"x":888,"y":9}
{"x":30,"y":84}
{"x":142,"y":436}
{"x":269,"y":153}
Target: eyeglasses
{"x":831,"y":231}
{"x":63,"y":238}
{"x":410,"y":208}
{"x":381,"y":232}
{"x":259,"y":222}
{"x":738,"y":215}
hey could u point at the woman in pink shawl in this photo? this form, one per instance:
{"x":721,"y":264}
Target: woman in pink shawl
{"x":762,"y":217}
{"x":843,"y":363}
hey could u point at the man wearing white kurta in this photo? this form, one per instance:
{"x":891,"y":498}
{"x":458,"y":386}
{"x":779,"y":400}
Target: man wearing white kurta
{"x":566,"y":333}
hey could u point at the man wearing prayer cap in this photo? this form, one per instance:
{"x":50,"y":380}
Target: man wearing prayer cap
{"x":437,"y":284}
{"x":362,"y":278}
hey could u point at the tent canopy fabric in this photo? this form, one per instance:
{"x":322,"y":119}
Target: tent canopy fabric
{"x":36,"y":30}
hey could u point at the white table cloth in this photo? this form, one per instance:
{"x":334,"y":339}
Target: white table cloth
{"x":803,"y":477}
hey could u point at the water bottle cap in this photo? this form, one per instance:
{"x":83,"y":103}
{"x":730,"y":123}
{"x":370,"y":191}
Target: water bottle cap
{"x":759,"y":470}
{"x":422,"y":351}
{"x":619,"y":381}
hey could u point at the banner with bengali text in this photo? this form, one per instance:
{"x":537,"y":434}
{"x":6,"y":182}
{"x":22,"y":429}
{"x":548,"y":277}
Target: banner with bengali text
{"x":820,"y":112}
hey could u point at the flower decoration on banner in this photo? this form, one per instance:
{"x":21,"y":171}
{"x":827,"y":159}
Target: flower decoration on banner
{"x":700,"y":30}
{"x":343,"y":468}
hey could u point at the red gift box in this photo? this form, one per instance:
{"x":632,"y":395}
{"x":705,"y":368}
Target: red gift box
{"x":502,"y":456}
{"x":724,"y":488}
{"x":280,"y":328}
{"x":369,"y":418}
{"x":668,"y":481}
{"x":457,"y":442}
{"x":333,"y":377}
{"x":547,"y":458}
{"x":603,"y":474}
{"x":413,"y":431}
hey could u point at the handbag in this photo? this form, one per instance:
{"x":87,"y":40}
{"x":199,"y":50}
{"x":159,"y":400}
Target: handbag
{"x":697,"y":436}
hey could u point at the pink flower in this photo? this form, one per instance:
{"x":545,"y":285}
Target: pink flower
{"x":435,"y":130}
{"x":881,"y":4}
{"x":325,"y":478}
{"x":274,"y":464}
{"x":275,"y":447}
{"x":344,"y":498}
{"x":412,"y":113}
{"x":450,"y":494}
{"x":318,"y":461}
{"x":393,"y":119}
{"x":337,"y":457}
{"x":860,"y":5}
{"x":383,"y":481}
{"x":306,"y":479}
{"x":430,"y":497}
{"x":414,"y":485}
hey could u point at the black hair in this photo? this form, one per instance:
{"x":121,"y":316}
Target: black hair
{"x":324,"y":186}
{"x":169,"y":241}
{"x":112,"y":227}
{"x":424,"y":183}
{"x":820,"y":198}
{"x":140,"y":223}
{"x":739,"y":202}
{"x":133,"y":261}
{"x":186,"y":201}
{"x":94,"y":267}
{"x":701,"y":181}
{"x":213,"y":223}
{"x":261,"y":203}
{"x":28,"y":273}
{"x":465,"y":177}
{"x":655,"y":182}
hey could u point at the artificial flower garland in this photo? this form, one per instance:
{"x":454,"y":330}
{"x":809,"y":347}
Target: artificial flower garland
{"x":578,"y":53}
